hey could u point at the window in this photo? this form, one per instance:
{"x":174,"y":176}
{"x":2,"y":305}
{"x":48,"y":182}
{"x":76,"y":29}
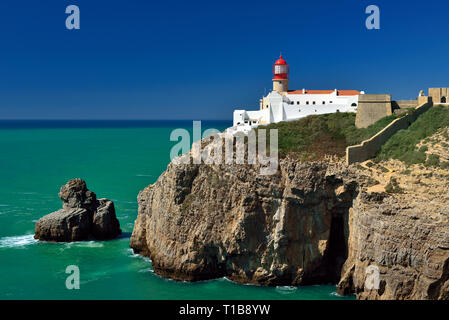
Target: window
{"x":354,"y":105}
{"x":314,"y":102}
{"x":324,"y":102}
{"x":443,"y":99}
{"x":297,"y":102}
{"x":330,"y":102}
{"x":280,"y":69}
{"x":307,"y":102}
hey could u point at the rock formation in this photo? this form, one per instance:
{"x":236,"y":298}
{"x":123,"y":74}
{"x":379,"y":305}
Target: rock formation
{"x":310,"y":223}
{"x":404,"y":233}
{"x":206,"y":221}
{"x":82,"y":216}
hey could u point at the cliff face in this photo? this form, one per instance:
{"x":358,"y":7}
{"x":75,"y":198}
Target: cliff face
{"x":405,"y":234}
{"x":207,"y":221}
{"x":299,"y":226}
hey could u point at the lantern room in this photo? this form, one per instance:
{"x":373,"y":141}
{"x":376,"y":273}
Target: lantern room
{"x":280,"y":75}
{"x":280,"y":69}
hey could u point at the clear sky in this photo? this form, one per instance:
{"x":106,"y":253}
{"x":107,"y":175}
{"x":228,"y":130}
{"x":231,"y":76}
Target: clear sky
{"x":139,"y":59}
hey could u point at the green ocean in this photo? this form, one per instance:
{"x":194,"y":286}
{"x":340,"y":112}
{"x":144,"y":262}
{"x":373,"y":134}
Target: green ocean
{"x":116,"y":159}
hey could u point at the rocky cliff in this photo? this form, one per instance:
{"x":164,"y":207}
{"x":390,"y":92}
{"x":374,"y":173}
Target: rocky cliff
{"x":207,"y":221}
{"x":310,"y":223}
{"x":399,"y":225}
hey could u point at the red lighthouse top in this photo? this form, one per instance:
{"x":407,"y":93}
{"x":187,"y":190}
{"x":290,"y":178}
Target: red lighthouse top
{"x":280,"y":69}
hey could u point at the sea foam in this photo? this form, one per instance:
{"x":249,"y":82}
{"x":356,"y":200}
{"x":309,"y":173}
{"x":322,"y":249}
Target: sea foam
{"x":17,"y":241}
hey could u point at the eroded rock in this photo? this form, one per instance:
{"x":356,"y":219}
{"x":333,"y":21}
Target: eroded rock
{"x":206,"y":221}
{"x":82,"y":216}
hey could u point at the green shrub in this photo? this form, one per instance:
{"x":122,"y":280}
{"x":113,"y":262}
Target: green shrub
{"x":424,"y":149}
{"x":446,"y":134}
{"x":402,"y":145}
{"x":433,"y":160}
{"x":318,"y":135}
{"x":369,"y":164}
{"x":444,"y":165}
{"x":393,"y":186}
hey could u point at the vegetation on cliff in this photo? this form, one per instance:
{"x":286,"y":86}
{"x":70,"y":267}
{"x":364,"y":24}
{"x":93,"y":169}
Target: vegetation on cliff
{"x":404,"y":145}
{"x":315,"y":136}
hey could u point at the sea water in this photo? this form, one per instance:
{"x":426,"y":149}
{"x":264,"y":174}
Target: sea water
{"x":117,"y":159}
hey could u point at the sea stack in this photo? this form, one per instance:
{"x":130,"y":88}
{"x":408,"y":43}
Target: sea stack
{"x":82,"y":216}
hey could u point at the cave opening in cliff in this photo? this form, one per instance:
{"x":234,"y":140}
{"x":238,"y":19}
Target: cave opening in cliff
{"x":336,"y":252}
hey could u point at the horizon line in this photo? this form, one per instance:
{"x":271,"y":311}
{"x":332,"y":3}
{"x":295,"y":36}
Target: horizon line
{"x":18,"y":119}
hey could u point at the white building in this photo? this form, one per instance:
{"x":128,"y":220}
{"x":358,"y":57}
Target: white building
{"x":282,"y":104}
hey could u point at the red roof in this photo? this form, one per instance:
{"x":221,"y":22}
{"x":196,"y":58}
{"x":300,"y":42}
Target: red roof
{"x":280,"y":61}
{"x":339,"y":92}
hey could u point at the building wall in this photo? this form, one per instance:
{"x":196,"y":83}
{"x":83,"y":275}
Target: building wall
{"x":322,"y":100}
{"x":438,"y":93}
{"x":283,"y":108}
{"x":369,"y":148}
{"x":371,"y":108}
{"x":265,"y":103}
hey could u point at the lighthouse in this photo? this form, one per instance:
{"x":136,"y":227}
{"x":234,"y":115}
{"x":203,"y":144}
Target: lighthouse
{"x":283,"y":104}
{"x":280,"y":75}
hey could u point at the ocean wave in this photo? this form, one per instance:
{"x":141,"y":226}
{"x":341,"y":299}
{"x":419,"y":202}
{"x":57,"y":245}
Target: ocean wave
{"x":335,"y":294}
{"x":81,"y":244}
{"x":17,"y":241}
{"x":88,"y":244}
{"x":131,"y":254}
{"x":286,"y":288}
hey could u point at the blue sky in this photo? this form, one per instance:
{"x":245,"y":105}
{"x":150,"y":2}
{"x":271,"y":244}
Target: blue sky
{"x":202,"y":59}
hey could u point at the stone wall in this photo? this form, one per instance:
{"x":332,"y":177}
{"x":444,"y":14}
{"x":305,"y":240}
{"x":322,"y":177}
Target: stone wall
{"x":369,"y":148}
{"x":438,"y":94}
{"x":402,"y":106}
{"x":371,"y":108}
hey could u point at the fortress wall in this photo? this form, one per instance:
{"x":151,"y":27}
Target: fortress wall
{"x":401,"y":106}
{"x":371,"y":108}
{"x":438,"y":93}
{"x":369,"y":148}
{"x":404,"y":104}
